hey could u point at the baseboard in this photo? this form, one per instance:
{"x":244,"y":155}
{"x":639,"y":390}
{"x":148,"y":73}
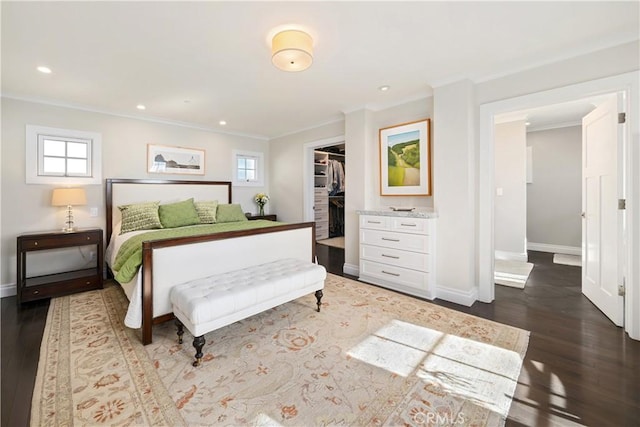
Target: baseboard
{"x":457,"y":296}
{"x":554,"y":249}
{"x":351,"y":269}
{"x":512,"y":256}
{"x":7,"y":290}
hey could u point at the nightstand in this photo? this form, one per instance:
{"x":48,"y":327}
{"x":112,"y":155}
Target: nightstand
{"x":271,"y":217}
{"x":60,"y":283}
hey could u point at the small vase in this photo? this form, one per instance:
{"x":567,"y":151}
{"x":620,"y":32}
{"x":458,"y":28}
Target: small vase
{"x":261,"y":213}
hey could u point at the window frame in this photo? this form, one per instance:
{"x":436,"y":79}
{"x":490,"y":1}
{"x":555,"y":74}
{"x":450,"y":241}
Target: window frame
{"x":259,"y":157}
{"x":35,"y":136}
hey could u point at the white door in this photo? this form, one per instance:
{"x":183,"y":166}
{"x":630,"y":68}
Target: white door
{"x":601,"y":223}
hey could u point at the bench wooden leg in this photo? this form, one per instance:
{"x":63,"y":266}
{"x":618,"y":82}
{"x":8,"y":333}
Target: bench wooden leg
{"x":319,"y":297}
{"x":198,"y":343}
{"x":180,"y":330}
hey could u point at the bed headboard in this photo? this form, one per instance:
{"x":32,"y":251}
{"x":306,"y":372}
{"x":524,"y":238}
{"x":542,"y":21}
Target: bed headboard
{"x":125,"y":191}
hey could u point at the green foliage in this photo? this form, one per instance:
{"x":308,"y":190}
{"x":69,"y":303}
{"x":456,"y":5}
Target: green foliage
{"x":391,"y":158}
{"x":412,"y":156}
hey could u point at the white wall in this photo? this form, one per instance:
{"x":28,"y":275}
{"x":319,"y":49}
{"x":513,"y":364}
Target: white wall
{"x":454,"y":155}
{"x":554,"y":200}
{"x":286,"y":170}
{"x":510,"y":222}
{"x":27,"y":208}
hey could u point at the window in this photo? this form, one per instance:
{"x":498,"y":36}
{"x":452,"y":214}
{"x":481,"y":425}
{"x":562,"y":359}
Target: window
{"x":248,"y":168}
{"x":62,"y":156}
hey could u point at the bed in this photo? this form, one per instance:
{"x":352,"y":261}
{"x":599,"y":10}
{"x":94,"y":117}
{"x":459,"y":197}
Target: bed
{"x":168,"y":261}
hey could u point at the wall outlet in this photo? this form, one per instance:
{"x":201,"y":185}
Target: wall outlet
{"x":93,"y":212}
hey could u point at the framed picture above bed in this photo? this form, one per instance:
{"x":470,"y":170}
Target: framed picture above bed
{"x":175,"y":160}
{"x":405,"y":159}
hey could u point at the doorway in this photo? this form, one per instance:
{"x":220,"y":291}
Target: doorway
{"x":628,"y":85}
{"x":325,"y":189}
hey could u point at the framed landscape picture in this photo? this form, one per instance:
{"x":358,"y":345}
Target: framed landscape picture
{"x":175,"y":160}
{"x":405,"y":159}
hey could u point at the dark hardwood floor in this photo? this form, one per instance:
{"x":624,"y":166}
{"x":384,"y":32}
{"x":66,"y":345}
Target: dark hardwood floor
{"x":579,"y":369}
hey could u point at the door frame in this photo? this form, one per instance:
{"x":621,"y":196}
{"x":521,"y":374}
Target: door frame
{"x":628,"y":84}
{"x":307,"y":172}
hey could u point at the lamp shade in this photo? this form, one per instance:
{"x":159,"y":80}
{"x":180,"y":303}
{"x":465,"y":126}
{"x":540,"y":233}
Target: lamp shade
{"x":68,"y":197}
{"x":292,"y":50}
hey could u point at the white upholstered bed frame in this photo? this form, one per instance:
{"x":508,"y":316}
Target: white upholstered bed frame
{"x":169,"y":262}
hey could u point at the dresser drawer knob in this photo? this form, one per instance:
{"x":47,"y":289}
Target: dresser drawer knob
{"x":390,"y":256}
{"x":408,"y":225}
{"x":88,"y":237}
{"x":390,"y":240}
{"x":36,"y":292}
{"x":35,"y":243}
{"x":374,"y":222}
{"x":88,"y":283}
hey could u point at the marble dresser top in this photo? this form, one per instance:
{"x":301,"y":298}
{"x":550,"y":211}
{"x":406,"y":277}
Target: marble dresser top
{"x":417,"y":213}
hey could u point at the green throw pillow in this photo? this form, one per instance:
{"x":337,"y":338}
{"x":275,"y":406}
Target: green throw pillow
{"x":230,"y":213}
{"x":207,"y":211}
{"x":178,"y":214}
{"x":139,"y":216}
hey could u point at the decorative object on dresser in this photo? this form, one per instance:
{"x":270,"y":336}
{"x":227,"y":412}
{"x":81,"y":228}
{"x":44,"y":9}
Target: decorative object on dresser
{"x":397,"y":250}
{"x":83,"y":278}
{"x":405,"y":159}
{"x":176,"y":160}
{"x":68,"y":197}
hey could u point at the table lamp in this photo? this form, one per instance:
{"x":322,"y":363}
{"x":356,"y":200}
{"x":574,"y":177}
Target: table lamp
{"x":69,"y":197}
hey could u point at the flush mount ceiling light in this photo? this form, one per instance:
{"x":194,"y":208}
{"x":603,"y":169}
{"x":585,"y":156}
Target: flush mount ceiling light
{"x":292,"y":50}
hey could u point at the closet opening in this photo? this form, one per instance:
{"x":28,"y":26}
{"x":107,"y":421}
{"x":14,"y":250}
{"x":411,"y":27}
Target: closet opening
{"x":329,"y":192}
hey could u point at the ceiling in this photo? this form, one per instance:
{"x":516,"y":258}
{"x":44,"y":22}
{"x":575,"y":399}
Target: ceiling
{"x":198,"y":63}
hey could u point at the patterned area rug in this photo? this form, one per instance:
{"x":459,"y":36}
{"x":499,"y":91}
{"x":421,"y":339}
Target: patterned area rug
{"x":371,"y":357}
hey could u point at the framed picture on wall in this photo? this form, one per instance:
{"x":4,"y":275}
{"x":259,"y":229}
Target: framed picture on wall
{"x":405,"y":159}
{"x":174,"y":160}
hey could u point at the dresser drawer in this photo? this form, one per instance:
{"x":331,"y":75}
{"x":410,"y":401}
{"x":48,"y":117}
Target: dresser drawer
{"x":402,"y":241}
{"x":398,"y":258}
{"x":320,"y":208}
{"x":410,"y":225}
{"x":322,"y":230}
{"x":397,"y":275}
{"x":374,"y":222}
{"x":322,"y":216}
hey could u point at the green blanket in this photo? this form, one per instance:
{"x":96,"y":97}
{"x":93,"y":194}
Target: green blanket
{"x":129,"y":256}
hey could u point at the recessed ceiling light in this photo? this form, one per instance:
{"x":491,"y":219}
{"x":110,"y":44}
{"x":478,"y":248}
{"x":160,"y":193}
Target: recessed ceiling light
{"x":45,"y":70}
{"x":222,"y":122}
{"x":141,"y":107}
{"x":527,"y":123}
{"x":384,"y":88}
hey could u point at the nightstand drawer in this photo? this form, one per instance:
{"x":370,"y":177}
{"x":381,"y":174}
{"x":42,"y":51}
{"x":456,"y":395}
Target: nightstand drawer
{"x":59,"y":240}
{"x":63,"y":287}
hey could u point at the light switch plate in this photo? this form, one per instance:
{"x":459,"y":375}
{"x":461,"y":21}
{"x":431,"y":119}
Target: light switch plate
{"x":93,"y":212}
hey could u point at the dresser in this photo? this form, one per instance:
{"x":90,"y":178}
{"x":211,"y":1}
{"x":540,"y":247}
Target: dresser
{"x":321,"y":213}
{"x":397,"y":251}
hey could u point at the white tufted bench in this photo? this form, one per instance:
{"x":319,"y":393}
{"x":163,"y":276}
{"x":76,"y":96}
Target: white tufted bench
{"x":206,"y":304}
